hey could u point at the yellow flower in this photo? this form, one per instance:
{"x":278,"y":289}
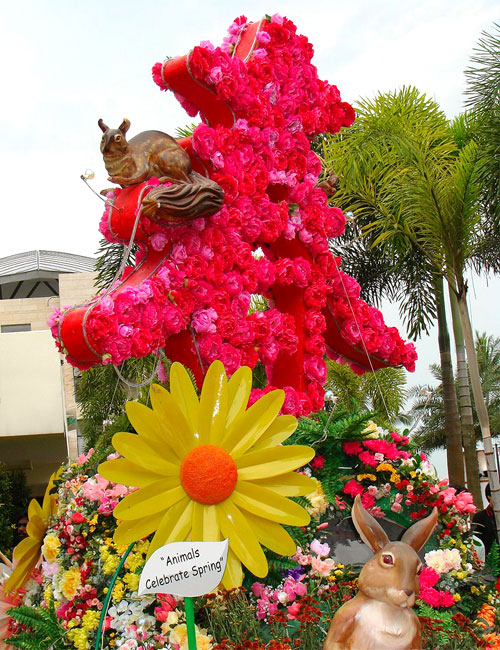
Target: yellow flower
{"x":457,"y":597}
{"x":110,"y":564}
{"x":70,"y":582}
{"x":132,"y":581}
{"x":118,"y":592}
{"x":211,"y":469}
{"x":318,"y":501}
{"x":50,"y":548}
{"x":90,"y":620}
{"x":474,"y":590}
{"x":179,"y":636}
{"x":395,"y":478}
{"x":27,"y":552}
{"x":79,"y":638}
{"x":371,"y":429}
{"x":370,"y":477}
{"x":385,"y":467}
{"x":134,"y":561}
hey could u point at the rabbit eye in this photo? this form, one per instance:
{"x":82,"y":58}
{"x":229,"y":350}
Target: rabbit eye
{"x":118,"y":138}
{"x":388,"y":559}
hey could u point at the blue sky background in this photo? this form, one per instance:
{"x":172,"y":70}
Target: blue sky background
{"x":66,"y":63}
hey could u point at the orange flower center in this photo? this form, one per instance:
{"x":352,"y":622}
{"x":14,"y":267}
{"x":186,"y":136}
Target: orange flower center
{"x":208,"y":474}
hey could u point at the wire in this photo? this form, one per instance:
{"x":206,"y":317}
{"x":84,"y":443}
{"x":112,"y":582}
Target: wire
{"x":364,"y":344}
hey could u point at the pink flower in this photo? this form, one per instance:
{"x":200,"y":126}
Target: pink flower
{"x":204,"y":320}
{"x":322,"y":567}
{"x":322,"y":550}
{"x":353,"y":488}
{"x":293,"y":610}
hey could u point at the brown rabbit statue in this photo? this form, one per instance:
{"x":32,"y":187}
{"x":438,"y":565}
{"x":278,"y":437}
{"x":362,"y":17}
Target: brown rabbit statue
{"x":148,"y":154}
{"x":380,"y":616}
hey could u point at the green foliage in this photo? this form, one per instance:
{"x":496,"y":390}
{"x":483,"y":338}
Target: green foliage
{"x":185,"y":131}
{"x":7,"y":511}
{"x":412,"y":183}
{"x":101,"y":394}
{"x":43,"y":629}
{"x":427,"y":411}
{"x":20,"y":492}
{"x":382,"y":391}
{"x":493,"y":560}
{"x":109,"y":260}
{"x":483,"y":80}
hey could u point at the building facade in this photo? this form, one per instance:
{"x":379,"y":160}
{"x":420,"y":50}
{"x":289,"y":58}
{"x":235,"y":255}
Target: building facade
{"x":38,"y":413}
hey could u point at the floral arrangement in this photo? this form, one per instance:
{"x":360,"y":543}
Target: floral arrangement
{"x":296,"y":600}
{"x":269,"y":175}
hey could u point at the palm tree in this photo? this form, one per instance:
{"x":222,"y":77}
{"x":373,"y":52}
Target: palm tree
{"x":482,"y":98}
{"x":428,"y":406}
{"x":364,"y":157}
{"x":415,"y":192}
{"x":383,"y":391}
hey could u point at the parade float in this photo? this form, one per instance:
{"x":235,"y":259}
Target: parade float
{"x":233,"y":211}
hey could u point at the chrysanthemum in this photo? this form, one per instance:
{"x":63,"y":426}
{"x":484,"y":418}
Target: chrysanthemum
{"x":27,"y":552}
{"x":211,"y":469}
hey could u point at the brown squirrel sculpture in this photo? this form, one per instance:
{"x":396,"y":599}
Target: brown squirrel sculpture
{"x":148,"y":154}
{"x":380,"y":616}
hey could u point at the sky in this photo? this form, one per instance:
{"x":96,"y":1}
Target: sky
{"x":67,"y":64}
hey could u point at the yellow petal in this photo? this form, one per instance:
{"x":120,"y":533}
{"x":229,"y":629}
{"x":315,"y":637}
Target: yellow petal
{"x":125,"y":472}
{"x":239,"y":387}
{"x":24,"y":546}
{"x":153,"y":498}
{"x":250,"y":425}
{"x":151,"y":430}
{"x":242,"y":539}
{"x":172,"y":419}
{"x":49,"y":505}
{"x":34,"y":508}
{"x":272,"y":535}
{"x":132,"y":531}
{"x":205,"y":525}
{"x":264,"y":503}
{"x":213,"y":405}
{"x":134,"y":448}
{"x":174,"y":526}
{"x":291,"y":484}
{"x":233,"y":575}
{"x":36,"y":527}
{"x":23,"y":569}
{"x":272,"y":462}
{"x":277,"y":432}
{"x":184,"y":393}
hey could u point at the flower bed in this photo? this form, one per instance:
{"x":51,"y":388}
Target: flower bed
{"x":293,"y":606}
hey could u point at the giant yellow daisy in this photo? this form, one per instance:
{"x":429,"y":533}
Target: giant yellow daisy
{"x":27,"y":552}
{"x":211,"y":469}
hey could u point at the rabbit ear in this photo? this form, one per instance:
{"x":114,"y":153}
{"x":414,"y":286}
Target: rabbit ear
{"x":124,"y":126}
{"x":102,"y":126}
{"x":418,"y":534}
{"x":371,"y":532}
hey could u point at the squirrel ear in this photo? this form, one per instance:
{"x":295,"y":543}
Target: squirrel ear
{"x":418,"y":534}
{"x":102,"y":126}
{"x":124,"y":126}
{"x":371,"y":532}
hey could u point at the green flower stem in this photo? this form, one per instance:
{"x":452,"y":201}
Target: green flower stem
{"x":108,"y":596}
{"x":191,"y":630}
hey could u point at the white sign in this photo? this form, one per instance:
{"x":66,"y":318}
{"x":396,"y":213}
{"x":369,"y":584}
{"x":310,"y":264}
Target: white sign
{"x":184,"y":568}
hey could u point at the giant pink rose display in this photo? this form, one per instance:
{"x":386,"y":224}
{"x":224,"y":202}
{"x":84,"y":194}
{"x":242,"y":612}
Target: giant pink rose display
{"x":262,"y":103}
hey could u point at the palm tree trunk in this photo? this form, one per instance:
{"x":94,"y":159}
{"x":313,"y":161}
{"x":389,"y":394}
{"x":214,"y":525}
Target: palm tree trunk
{"x":465,"y":406}
{"x":481,"y":410}
{"x":451,"y":417}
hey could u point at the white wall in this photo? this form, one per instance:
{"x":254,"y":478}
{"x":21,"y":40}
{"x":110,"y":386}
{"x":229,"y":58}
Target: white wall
{"x":30,"y":385}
